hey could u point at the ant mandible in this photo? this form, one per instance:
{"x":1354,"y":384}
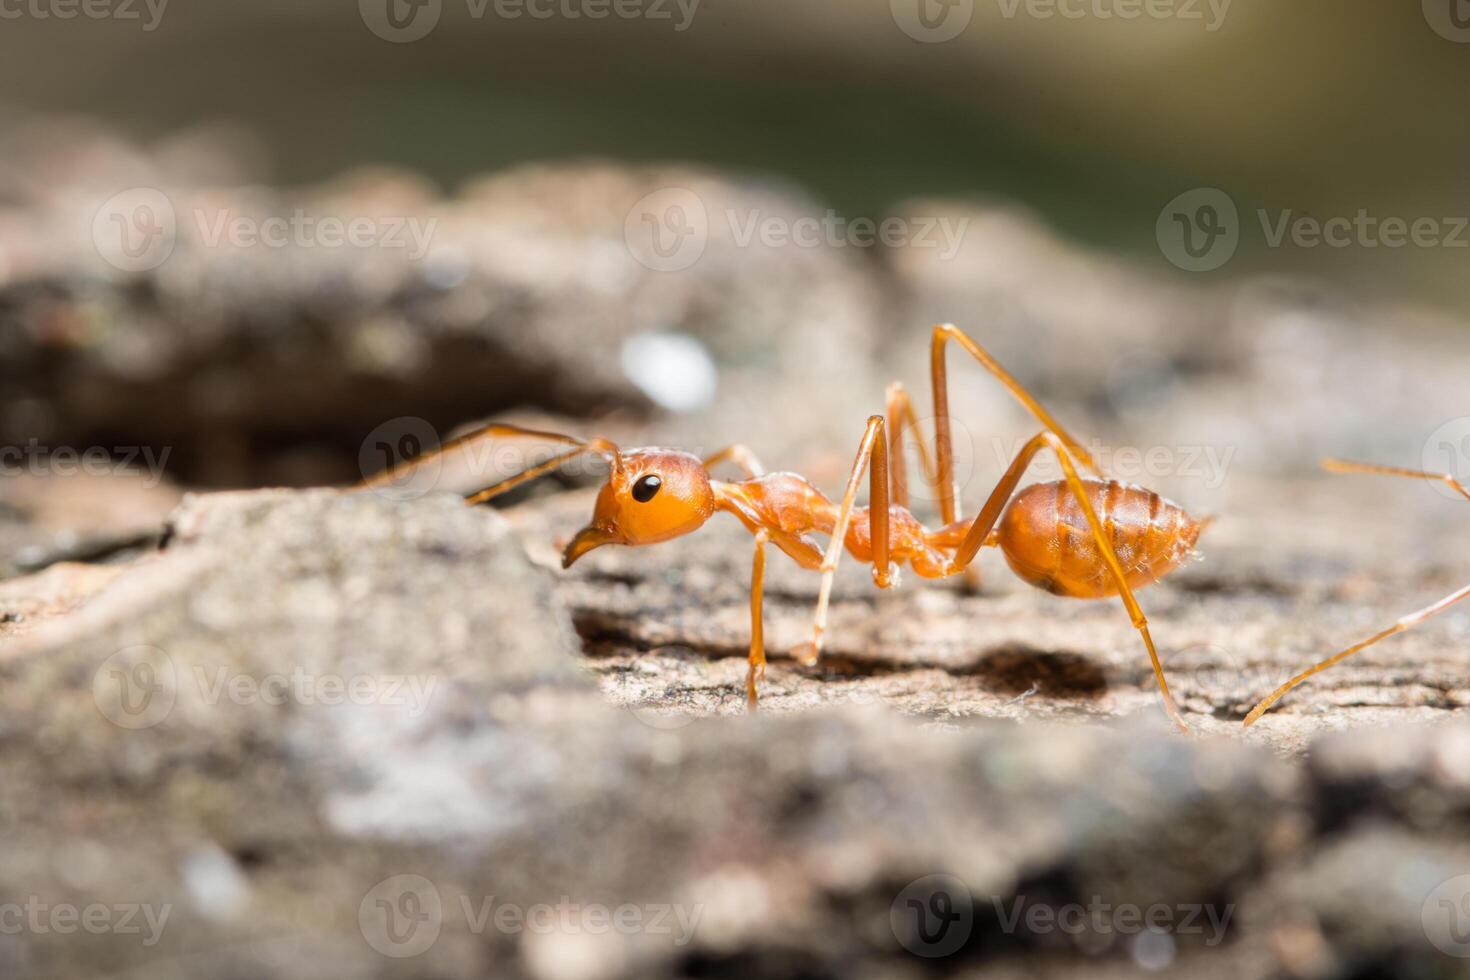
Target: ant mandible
{"x":1084,"y":538}
{"x":1403,"y":625}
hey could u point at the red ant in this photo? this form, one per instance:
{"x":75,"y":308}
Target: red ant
{"x":1404,"y":624}
{"x":1085,"y":538}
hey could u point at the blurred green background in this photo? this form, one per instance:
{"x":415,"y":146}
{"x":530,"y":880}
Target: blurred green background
{"x":1095,"y":121}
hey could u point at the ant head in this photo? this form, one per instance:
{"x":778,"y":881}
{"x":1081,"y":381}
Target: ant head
{"x":651,"y":495}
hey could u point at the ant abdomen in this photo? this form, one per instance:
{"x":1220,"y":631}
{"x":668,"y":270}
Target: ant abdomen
{"x":1047,"y":541}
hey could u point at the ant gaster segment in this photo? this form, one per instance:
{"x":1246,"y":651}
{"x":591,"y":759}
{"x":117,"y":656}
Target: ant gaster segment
{"x":1403,"y":625}
{"x":1086,"y":538}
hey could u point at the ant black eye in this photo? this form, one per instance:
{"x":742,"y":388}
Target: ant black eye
{"x":646,"y":488}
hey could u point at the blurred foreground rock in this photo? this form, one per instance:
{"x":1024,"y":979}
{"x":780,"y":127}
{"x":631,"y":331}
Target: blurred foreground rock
{"x":336,"y":733}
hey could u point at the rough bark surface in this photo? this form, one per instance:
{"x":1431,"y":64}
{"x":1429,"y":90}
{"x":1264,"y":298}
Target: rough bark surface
{"x":287,"y":716}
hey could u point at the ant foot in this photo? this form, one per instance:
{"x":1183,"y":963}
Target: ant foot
{"x":753,"y":677}
{"x":806,"y":654}
{"x":888,"y":579}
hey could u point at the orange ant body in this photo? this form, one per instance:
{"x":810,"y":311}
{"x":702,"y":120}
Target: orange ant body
{"x":1085,"y":538}
{"x":1403,"y":625}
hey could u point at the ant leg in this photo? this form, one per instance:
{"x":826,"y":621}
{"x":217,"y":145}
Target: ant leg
{"x":1347,"y":466}
{"x":757,"y":671}
{"x":469,"y":438}
{"x":494,"y":429}
{"x":943,"y":333}
{"x":495,"y":490}
{"x":990,"y":513}
{"x":901,"y":416}
{"x":1407,"y":623}
{"x":741,"y":456}
{"x":872,"y":450}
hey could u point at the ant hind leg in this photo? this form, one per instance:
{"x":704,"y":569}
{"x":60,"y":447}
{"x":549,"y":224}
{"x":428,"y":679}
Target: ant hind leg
{"x":1347,"y":466}
{"x":1407,"y":623}
{"x":989,"y":514}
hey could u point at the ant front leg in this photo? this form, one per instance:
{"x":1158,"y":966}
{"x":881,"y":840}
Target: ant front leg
{"x":872,"y":456}
{"x":985,"y":522}
{"x":757,"y":670}
{"x":487,"y":433}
